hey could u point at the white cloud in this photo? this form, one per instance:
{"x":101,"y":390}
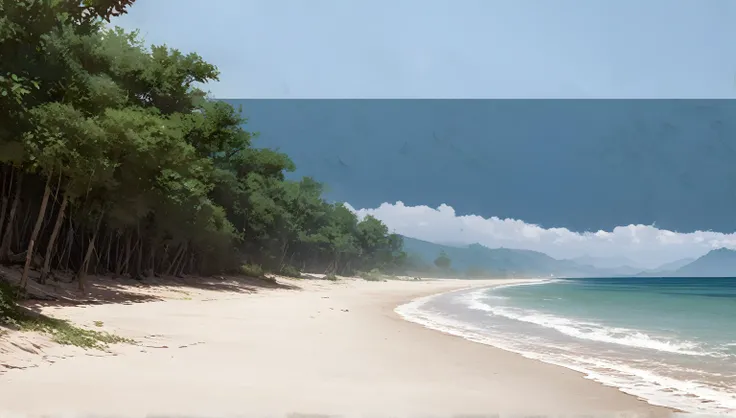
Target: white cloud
{"x":644,"y":244}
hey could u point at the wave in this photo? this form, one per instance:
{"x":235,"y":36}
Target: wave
{"x":697,"y":399}
{"x":587,"y":330}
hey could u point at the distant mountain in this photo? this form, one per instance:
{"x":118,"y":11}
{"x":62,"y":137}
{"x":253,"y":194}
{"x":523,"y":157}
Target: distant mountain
{"x":675,"y":265}
{"x":480,"y":261}
{"x":717,"y":263}
{"x":607,"y":262}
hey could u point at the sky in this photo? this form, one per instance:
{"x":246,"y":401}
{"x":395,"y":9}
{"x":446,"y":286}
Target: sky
{"x":467,"y":49}
{"x":644,"y":245}
{"x":453,"y":48}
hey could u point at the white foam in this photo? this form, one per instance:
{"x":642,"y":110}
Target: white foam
{"x":587,"y":330}
{"x":692,"y":397}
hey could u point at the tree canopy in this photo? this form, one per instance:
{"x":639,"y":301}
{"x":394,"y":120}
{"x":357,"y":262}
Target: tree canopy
{"x":113,"y":160}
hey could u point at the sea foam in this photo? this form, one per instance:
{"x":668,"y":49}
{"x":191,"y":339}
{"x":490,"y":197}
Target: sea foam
{"x":695,"y":398}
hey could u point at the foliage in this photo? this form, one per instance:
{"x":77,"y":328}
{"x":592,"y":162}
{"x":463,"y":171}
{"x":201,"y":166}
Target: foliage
{"x":8,"y":309}
{"x":290,"y":271}
{"x":63,"y":332}
{"x":60,"y":331}
{"x":113,"y":161}
{"x":374,"y":275}
{"x":251,"y":270}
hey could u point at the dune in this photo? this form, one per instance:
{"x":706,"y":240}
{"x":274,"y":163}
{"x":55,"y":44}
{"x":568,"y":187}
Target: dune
{"x":325,"y":348}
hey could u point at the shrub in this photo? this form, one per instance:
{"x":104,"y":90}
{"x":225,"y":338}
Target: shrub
{"x":251,"y":270}
{"x":62,"y":332}
{"x":8,"y":308}
{"x":290,"y":271}
{"x":370,"y":276}
{"x":331,"y":276}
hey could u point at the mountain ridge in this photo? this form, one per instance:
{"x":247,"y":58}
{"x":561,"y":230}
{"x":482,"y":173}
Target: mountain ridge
{"x":720,"y":262}
{"x":477,"y":260}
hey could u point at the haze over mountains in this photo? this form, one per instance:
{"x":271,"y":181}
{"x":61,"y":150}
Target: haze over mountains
{"x":476,"y":260}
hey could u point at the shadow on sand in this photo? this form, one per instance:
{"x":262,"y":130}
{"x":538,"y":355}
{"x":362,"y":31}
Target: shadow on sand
{"x":64,"y":291}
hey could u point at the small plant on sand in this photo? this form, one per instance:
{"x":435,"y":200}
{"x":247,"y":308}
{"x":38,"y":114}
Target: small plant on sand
{"x":65,"y":333}
{"x":371,"y":276}
{"x":62,"y":332}
{"x":252,"y":270}
{"x":9,"y":312}
{"x":99,"y":324}
{"x":290,"y":271}
{"x":331,"y":277}
{"x":269,"y":279}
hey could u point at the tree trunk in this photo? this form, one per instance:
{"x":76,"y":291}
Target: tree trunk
{"x":82,"y":275}
{"x":52,"y":240}
{"x":179,"y":272}
{"x":54,"y":201}
{"x":8,"y":236}
{"x":108,"y":253}
{"x":34,"y":234}
{"x":175,"y":261}
{"x":119,"y":254}
{"x":152,"y":261}
{"x":24,"y":227}
{"x":128,"y":252}
{"x":135,"y":259}
{"x":7,"y":188}
{"x":66,"y":253}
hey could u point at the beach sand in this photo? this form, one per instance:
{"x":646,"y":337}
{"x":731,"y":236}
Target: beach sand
{"x":328,"y":348}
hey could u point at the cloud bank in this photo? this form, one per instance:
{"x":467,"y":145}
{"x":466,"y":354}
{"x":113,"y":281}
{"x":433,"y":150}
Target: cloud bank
{"x":645,"y":245}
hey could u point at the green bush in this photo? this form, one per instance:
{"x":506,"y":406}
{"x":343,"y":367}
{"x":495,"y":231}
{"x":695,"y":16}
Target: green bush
{"x":370,"y":276}
{"x":252,"y":270}
{"x":62,"y":332}
{"x":8,"y":309}
{"x":290,"y":271}
{"x":331,"y":276}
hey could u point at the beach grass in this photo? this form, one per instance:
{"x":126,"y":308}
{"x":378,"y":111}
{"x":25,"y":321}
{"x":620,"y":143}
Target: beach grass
{"x":14,"y":316}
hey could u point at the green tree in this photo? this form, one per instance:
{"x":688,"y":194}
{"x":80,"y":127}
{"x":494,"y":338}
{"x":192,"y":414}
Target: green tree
{"x":114,"y":161}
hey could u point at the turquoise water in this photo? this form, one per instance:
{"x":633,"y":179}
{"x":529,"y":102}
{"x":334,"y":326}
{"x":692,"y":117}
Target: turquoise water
{"x":671,"y":341}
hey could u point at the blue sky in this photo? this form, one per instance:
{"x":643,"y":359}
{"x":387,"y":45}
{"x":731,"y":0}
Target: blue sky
{"x":490,"y":49}
{"x":453,"y":48}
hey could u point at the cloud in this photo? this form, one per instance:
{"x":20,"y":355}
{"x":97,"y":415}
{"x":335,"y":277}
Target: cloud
{"x":646,"y":245}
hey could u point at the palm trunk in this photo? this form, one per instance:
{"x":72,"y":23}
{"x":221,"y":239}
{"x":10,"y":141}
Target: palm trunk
{"x":8,"y":236}
{"x":52,"y":240}
{"x":34,"y":234}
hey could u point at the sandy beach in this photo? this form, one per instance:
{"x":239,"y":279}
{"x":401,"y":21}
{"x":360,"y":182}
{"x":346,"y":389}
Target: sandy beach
{"x":325,"y":348}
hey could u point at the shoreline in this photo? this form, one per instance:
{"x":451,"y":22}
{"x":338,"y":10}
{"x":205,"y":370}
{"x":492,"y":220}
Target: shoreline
{"x":330,"y":348}
{"x":420,"y":300}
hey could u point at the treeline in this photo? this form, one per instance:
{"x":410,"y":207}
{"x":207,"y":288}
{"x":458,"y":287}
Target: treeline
{"x":114,"y":161}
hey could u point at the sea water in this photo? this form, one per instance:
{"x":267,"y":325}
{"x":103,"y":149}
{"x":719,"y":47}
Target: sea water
{"x":671,"y":341}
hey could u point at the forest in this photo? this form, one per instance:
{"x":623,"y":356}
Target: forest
{"x":115,"y":161}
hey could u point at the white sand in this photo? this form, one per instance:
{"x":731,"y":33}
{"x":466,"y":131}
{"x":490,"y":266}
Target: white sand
{"x":332,"y":348}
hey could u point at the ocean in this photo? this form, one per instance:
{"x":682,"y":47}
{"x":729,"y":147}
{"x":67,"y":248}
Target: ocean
{"x":671,"y":341}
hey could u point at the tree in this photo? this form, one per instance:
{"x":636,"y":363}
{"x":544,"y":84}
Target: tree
{"x":113,"y":161}
{"x":442,"y":261}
